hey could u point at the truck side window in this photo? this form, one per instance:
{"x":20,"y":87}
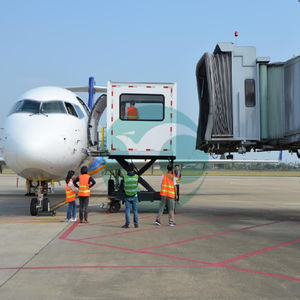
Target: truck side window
{"x":250,"y":93}
{"x":142,"y":107}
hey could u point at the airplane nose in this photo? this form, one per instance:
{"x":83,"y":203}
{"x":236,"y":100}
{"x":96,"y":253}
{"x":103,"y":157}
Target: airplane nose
{"x":30,"y":147}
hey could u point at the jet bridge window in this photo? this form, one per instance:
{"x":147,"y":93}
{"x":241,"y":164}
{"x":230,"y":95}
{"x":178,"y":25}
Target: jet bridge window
{"x":53,"y":107}
{"x":142,"y":107}
{"x":250,"y":92}
{"x":28,"y":106}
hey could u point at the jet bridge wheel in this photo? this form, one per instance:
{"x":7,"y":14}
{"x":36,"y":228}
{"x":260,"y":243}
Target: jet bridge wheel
{"x":114,"y":206}
{"x":33,"y":206}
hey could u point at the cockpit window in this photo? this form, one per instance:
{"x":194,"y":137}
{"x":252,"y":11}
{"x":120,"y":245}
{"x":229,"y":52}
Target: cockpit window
{"x":70,"y":109}
{"x":28,"y":106}
{"x":53,"y":107}
{"x":79,"y":111}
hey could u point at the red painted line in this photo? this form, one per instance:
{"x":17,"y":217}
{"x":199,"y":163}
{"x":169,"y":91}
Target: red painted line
{"x":263,"y":273}
{"x":106,"y":267}
{"x":115,"y":221}
{"x":151,"y":228}
{"x":141,"y":252}
{"x":123,"y":232}
{"x":258,"y":252}
{"x":207,"y":236}
{"x":103,"y":245}
{"x":69,"y":231}
{"x":176,"y":257}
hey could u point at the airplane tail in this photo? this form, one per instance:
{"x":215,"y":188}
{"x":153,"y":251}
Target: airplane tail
{"x":96,"y":165}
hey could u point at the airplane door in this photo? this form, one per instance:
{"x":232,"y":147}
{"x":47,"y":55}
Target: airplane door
{"x":94,"y":118}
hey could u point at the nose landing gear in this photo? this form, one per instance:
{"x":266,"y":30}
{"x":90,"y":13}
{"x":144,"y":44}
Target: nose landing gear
{"x":40,"y":204}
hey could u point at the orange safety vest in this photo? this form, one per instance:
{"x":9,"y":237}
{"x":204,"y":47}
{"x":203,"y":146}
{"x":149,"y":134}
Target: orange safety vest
{"x":84,"y":186}
{"x":177,"y":177}
{"x":167,"y":186}
{"x":132,"y":113}
{"x":70,"y":194}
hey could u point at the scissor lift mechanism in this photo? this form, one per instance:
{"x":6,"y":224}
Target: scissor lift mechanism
{"x":116,"y":192}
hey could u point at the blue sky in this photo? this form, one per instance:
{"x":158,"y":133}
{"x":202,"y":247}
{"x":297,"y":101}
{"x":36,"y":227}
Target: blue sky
{"x":64,"y":42}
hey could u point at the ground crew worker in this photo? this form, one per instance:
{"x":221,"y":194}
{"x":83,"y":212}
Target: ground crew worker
{"x":168,"y":193}
{"x":132,"y":113}
{"x":131,"y":199}
{"x":85,"y":183}
{"x":71,"y":196}
{"x":177,"y":175}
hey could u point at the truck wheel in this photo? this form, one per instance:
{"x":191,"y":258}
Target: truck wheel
{"x":114,"y":207}
{"x":111,"y":187}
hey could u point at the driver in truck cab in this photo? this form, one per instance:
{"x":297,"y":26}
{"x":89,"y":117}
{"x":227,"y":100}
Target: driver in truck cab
{"x":132,"y":113}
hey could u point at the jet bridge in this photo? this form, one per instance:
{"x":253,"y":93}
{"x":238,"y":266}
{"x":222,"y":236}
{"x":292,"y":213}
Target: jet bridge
{"x":246,"y":102}
{"x":140,"y":125}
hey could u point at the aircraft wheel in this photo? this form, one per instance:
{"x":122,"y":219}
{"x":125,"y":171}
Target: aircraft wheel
{"x":114,"y":207}
{"x":33,"y":206}
{"x":111,"y":186}
{"x":46,"y":204}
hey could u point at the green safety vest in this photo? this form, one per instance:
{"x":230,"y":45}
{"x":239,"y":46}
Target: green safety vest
{"x":131,"y":184}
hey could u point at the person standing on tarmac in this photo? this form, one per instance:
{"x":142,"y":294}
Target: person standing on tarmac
{"x":131,"y":199}
{"x":71,"y":196}
{"x":168,"y":193}
{"x":85,"y":183}
{"x":177,"y":175}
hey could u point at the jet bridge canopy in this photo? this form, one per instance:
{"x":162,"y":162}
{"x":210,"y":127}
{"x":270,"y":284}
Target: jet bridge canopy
{"x":246,"y":102}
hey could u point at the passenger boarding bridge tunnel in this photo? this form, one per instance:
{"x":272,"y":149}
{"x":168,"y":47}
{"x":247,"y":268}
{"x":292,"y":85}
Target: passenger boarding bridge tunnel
{"x":247,"y":103}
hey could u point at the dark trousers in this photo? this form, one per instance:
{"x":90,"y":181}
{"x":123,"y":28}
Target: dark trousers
{"x":177,"y":187}
{"x":83,"y":207}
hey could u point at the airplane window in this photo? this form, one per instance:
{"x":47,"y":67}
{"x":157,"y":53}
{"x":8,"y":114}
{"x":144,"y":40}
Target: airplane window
{"x":53,"y":107}
{"x":71,"y":110}
{"x":29,"y":106}
{"x":141,"y":107}
{"x":79,"y":111}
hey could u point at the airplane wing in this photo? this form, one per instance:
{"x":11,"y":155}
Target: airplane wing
{"x":85,"y":89}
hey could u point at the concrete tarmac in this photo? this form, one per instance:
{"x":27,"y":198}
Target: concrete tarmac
{"x":236,"y":238}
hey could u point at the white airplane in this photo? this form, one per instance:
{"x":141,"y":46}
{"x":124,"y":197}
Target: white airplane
{"x":46,"y":134}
